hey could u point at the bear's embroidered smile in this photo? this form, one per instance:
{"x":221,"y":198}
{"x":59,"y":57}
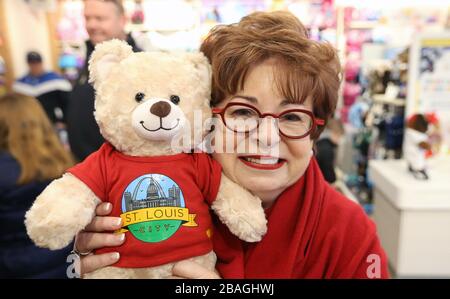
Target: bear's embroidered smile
{"x":160,"y":126}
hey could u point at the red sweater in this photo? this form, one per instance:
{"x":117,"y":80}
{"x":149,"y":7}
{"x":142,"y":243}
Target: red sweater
{"x":313,"y":232}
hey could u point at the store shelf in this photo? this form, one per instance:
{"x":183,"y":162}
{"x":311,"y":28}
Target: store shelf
{"x":383,"y":99}
{"x":405,"y":192}
{"x":340,"y":184}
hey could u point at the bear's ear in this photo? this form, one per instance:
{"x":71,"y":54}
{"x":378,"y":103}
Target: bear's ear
{"x":105,"y":56}
{"x":201,"y":65}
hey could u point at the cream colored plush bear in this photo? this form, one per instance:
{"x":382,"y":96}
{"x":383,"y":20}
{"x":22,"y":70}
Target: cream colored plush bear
{"x":144,"y":100}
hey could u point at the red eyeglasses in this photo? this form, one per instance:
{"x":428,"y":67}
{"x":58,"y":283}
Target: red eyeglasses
{"x":244,"y":118}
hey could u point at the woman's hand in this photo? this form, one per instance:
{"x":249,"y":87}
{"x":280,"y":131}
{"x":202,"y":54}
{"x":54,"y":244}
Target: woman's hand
{"x":99,"y":234}
{"x":192,"y":270}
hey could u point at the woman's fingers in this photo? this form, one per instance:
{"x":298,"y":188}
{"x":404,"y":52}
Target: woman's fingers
{"x":104,"y":223}
{"x":94,"y":238}
{"x":103,"y":209}
{"x":192,"y":270}
{"x":87,"y":241}
{"x":101,"y":222}
{"x":93,"y":262}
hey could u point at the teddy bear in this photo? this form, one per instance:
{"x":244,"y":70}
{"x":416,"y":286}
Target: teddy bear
{"x":416,"y":145}
{"x":162,"y":194}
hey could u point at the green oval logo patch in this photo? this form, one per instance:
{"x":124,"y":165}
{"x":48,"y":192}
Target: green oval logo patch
{"x":153,"y":208}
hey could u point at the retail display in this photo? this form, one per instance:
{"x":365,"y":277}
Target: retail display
{"x":429,"y":91}
{"x":412,"y":217}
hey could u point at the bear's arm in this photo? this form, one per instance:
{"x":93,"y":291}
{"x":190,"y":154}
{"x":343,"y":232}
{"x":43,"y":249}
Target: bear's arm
{"x":240,"y":211}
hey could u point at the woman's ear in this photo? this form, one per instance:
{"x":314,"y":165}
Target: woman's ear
{"x":105,"y":57}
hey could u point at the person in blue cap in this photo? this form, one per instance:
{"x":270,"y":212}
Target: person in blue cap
{"x":51,"y":89}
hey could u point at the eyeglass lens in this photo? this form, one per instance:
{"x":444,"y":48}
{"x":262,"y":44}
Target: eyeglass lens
{"x":244,"y":119}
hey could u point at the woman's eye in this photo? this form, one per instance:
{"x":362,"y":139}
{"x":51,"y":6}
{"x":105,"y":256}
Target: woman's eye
{"x":243,"y":112}
{"x":292,"y":117}
{"x":139,"y":97}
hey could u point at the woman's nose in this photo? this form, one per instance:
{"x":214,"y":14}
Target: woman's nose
{"x":268,"y":133}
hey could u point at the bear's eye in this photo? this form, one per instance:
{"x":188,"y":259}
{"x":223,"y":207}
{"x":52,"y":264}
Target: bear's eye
{"x":175,"y":99}
{"x":139,"y":97}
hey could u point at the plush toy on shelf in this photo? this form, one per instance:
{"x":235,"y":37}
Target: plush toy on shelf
{"x":416,"y":145}
{"x":434,"y":134}
{"x":163,"y":195}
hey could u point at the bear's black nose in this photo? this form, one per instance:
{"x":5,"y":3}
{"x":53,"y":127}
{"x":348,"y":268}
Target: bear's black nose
{"x":161,"y":109}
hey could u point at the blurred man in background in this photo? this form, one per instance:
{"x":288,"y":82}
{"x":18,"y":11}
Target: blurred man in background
{"x":104,"y":20}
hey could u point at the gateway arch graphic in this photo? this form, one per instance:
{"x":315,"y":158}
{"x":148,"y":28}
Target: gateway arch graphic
{"x":146,"y":198}
{"x":155,"y":195}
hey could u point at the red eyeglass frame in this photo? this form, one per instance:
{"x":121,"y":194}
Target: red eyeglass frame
{"x":315,"y":121}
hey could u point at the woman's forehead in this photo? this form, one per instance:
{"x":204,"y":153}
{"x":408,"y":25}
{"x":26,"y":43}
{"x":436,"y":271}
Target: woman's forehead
{"x":267,"y":101}
{"x":274,"y":81}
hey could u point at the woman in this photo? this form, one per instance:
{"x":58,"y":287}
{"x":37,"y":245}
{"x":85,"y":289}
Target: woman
{"x":266,"y":68}
{"x":30,"y":157}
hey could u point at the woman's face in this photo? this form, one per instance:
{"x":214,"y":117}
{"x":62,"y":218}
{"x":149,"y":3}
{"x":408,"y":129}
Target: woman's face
{"x":279,"y":161}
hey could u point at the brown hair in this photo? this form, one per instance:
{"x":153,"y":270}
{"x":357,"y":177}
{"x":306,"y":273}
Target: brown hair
{"x":307,"y":68}
{"x":26,"y":133}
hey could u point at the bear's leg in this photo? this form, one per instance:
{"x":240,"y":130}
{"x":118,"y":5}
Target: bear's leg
{"x":164,"y":271}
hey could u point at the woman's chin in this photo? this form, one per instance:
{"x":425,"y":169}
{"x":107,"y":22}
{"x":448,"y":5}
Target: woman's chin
{"x":259,"y":185}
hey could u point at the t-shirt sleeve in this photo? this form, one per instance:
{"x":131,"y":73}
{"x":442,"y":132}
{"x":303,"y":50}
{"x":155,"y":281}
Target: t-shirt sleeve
{"x":92,"y":172}
{"x":209,"y":173}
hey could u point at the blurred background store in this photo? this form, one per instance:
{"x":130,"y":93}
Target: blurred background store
{"x":396,"y":59}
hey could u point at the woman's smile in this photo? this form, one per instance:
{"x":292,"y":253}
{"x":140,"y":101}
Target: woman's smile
{"x":262,"y":162}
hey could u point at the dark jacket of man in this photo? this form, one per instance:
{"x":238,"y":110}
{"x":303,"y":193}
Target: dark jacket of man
{"x":84,"y":134}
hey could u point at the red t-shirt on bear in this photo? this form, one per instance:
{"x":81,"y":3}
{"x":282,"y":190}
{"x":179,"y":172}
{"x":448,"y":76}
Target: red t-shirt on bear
{"x":163,"y":202}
